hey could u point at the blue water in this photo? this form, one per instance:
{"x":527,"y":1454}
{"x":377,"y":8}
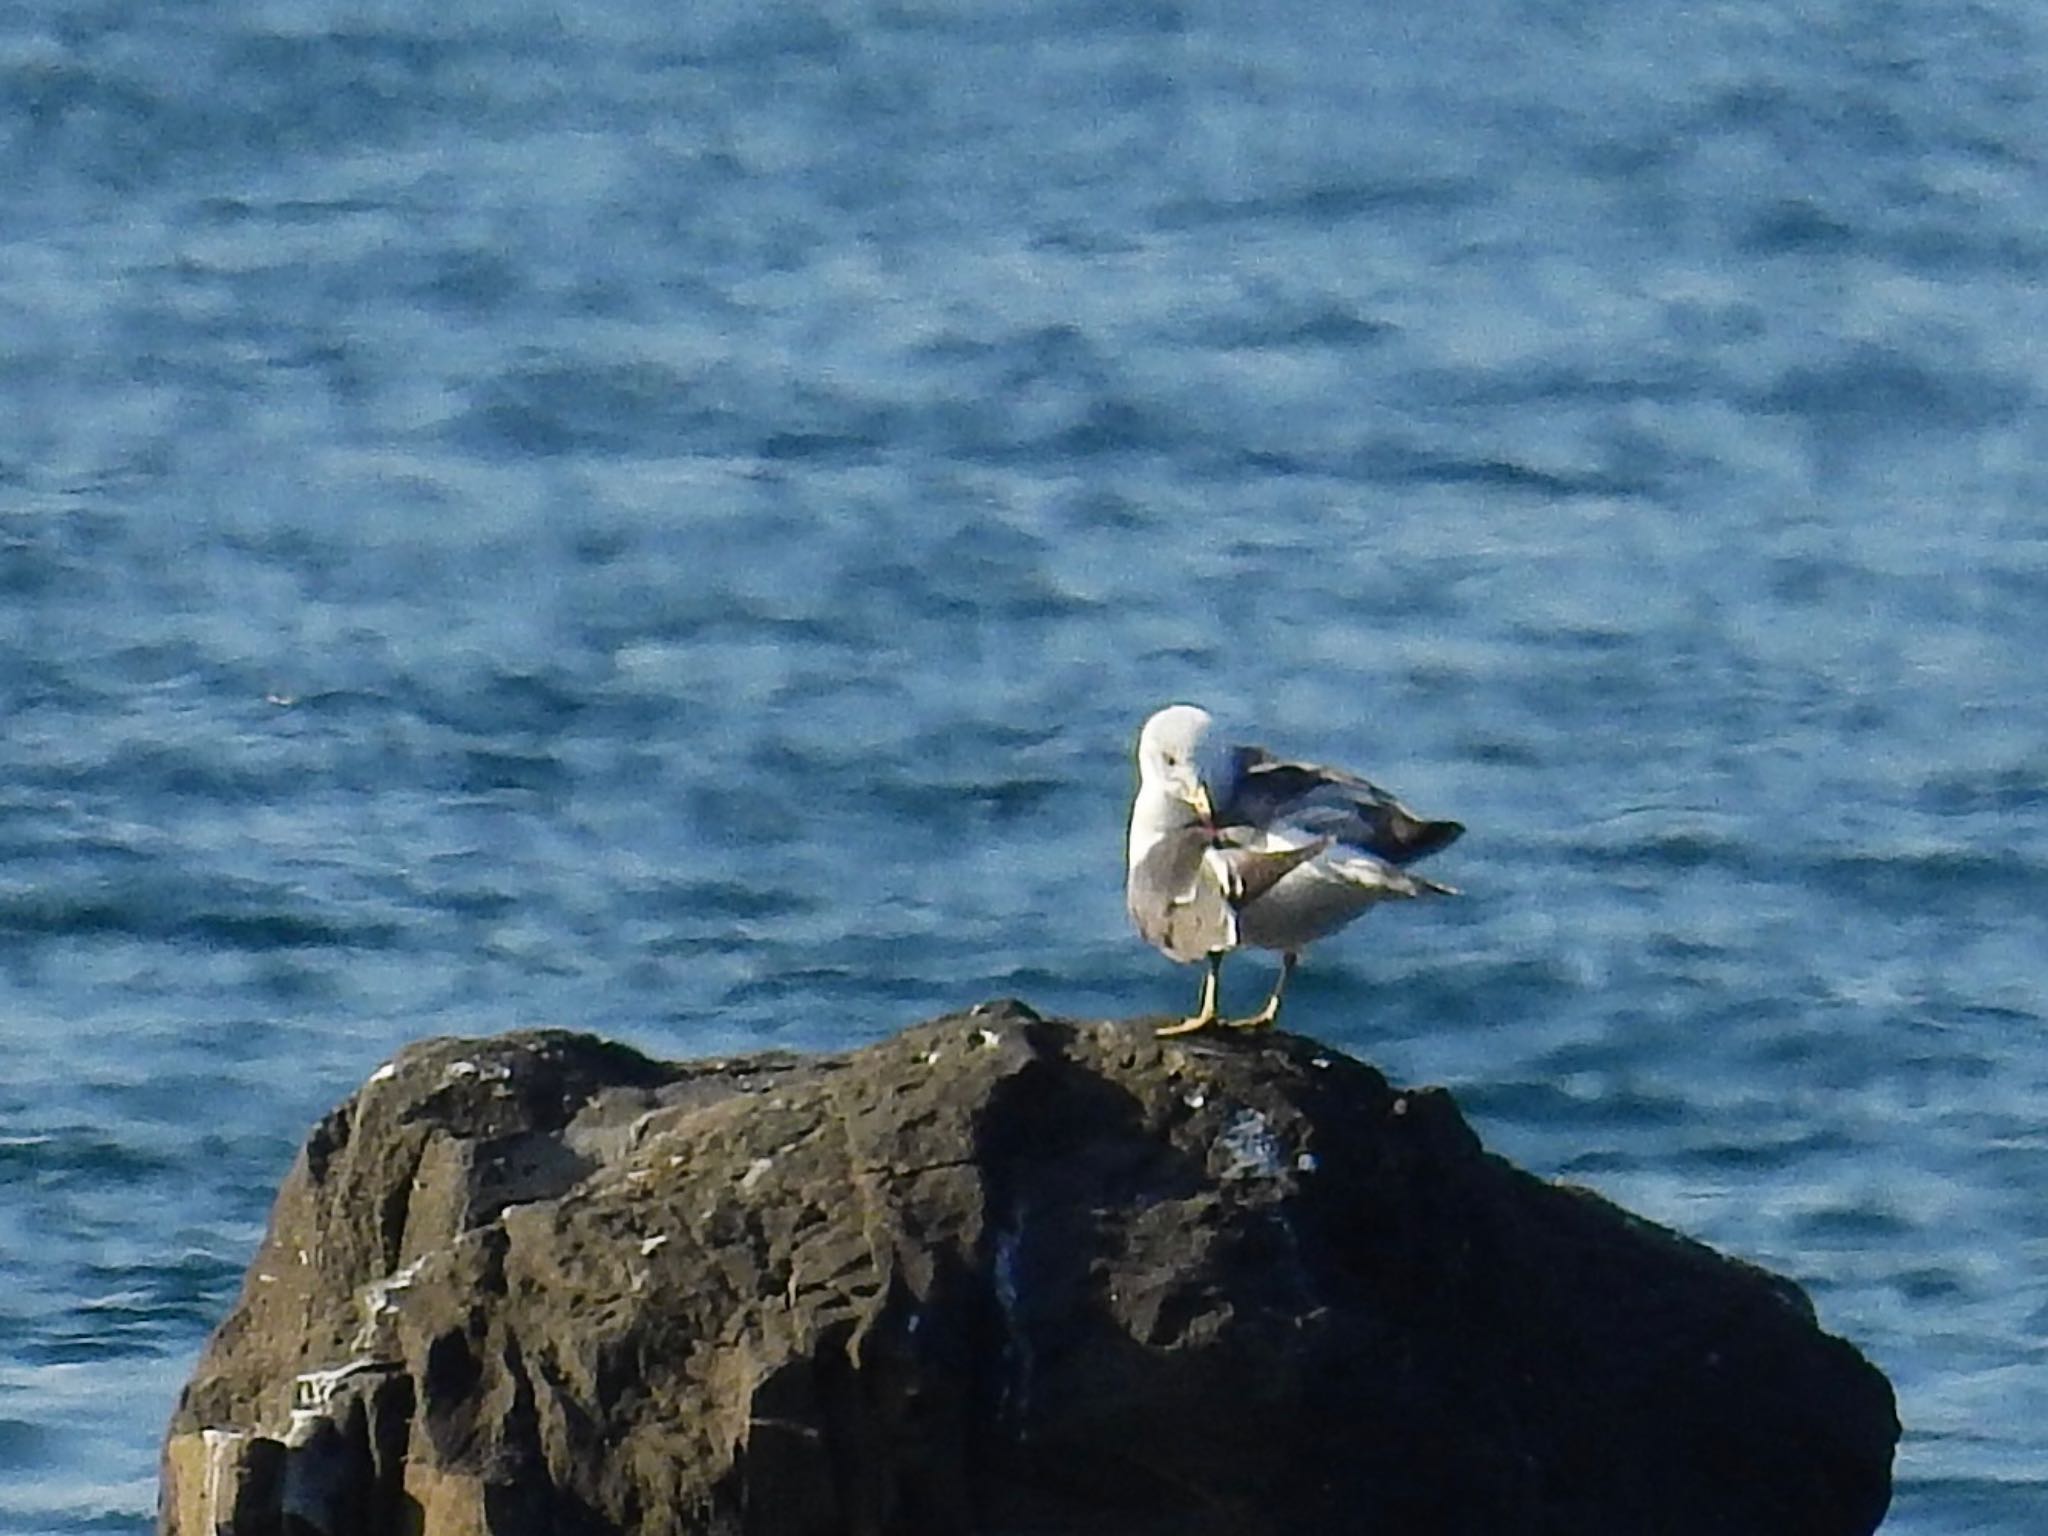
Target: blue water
{"x":668,"y":523}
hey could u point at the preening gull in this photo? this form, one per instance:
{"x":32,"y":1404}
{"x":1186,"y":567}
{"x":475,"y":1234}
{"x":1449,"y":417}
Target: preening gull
{"x":1231,"y":845}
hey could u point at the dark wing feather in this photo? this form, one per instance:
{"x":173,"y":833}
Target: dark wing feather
{"x":1251,"y":872}
{"x":1265,"y":790}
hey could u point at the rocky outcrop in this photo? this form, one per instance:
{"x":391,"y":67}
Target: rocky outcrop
{"x":999,"y":1274}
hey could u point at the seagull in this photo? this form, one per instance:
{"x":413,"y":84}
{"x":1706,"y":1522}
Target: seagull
{"x":1231,"y":845}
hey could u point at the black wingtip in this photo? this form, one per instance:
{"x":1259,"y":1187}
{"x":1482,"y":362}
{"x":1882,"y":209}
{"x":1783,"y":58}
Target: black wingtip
{"x":1429,"y":837}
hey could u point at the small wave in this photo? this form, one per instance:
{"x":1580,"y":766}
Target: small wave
{"x":1854,"y":1222}
{"x":1932,"y":1283}
{"x":142,"y":914}
{"x":1994,"y":791}
{"x":954,"y":805}
{"x":78,"y":1154}
{"x":1324,"y":203}
{"x":577,"y":407}
{"x":1875,"y":389}
{"x":1912,"y":880}
{"x":283,"y":930}
{"x":1765,"y":1153}
{"x":1673,"y":849}
{"x":498,"y":703}
{"x":1540,"y":1102}
{"x":1493,"y":473}
{"x":186,"y":770}
{"x":1795,"y":225}
{"x":1276,"y":324}
{"x":710,"y":900}
{"x":487,"y":770}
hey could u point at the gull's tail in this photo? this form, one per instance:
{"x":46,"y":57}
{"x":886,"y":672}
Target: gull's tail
{"x":1377,"y":874}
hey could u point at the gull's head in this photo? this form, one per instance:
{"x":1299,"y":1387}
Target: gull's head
{"x":1173,"y":755}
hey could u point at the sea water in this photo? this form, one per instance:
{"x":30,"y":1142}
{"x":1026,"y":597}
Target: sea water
{"x":665,"y":520}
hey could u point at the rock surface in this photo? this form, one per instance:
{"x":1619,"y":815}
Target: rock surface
{"x":1000,"y":1275}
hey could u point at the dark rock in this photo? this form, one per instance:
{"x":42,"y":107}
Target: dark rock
{"x":999,"y":1275}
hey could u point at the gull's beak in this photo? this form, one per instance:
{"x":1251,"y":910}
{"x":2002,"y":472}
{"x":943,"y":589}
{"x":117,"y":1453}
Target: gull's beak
{"x":1198,"y":797}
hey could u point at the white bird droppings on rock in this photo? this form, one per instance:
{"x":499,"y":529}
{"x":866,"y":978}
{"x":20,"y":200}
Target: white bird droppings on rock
{"x":379,"y":1308}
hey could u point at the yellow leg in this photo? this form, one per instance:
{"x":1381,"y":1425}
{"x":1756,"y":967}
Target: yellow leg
{"x":1205,"y":1013}
{"x":1266,"y":1015}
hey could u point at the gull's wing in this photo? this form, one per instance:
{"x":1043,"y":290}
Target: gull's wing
{"x":1249,"y":864}
{"x":1251,"y":861}
{"x":1176,"y":896}
{"x":1270,"y":792}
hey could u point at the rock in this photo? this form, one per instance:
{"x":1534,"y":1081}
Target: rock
{"x":1001,"y":1275}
